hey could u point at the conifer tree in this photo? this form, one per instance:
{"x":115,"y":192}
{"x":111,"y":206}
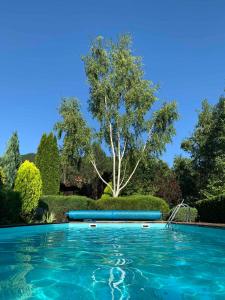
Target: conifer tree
{"x":48,"y":162}
{"x":11,"y":161}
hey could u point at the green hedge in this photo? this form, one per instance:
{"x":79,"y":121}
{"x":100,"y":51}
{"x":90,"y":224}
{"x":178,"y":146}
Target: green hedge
{"x":59,"y":205}
{"x":135,"y":202}
{"x":212,"y":210}
{"x":185,"y":214}
{"x":10,"y":207}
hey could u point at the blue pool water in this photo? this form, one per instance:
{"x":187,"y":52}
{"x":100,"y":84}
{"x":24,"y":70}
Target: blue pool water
{"x":112,"y":262}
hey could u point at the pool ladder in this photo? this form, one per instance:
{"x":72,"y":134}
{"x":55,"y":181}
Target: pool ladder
{"x":175,"y":211}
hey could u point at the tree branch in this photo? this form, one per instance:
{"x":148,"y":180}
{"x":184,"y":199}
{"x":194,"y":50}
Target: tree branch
{"x":124,"y":173}
{"x":132,"y":173}
{"x":124,"y":149}
{"x":142,"y":151}
{"x":99,"y":175}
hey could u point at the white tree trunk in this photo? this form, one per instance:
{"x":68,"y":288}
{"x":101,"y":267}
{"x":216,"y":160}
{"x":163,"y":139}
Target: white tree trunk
{"x":117,"y":183}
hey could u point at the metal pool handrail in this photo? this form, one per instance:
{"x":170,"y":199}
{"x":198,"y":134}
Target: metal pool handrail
{"x":175,"y":211}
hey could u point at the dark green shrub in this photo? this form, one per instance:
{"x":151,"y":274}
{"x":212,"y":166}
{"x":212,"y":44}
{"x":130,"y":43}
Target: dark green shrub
{"x":135,"y":202}
{"x":59,"y":205}
{"x":186,"y":214}
{"x":212,"y":210}
{"x":10,"y":207}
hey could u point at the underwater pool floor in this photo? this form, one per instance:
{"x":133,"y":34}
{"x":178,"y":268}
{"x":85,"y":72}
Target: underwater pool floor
{"x":118,"y":261}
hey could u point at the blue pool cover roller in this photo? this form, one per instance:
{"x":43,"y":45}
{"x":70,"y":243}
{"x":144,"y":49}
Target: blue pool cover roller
{"x":114,"y":214}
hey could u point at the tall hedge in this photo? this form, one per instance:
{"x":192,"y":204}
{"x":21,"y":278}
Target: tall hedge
{"x":212,"y":210}
{"x":28,"y":183}
{"x":48,"y":162}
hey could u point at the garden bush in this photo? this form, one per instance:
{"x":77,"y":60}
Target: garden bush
{"x":107,"y":192}
{"x":10,"y":207}
{"x":186,"y":214}
{"x":59,"y":205}
{"x":28,"y":183}
{"x":134,"y":202}
{"x":212,"y":210}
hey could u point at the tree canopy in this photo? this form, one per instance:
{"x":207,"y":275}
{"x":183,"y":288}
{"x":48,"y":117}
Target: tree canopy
{"x":73,"y":133}
{"x":121,"y":100}
{"x":206,"y":147}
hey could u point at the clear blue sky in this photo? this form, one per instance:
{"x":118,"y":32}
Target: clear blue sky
{"x":41,"y":43}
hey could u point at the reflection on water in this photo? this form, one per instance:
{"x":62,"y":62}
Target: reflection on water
{"x":112,"y":263}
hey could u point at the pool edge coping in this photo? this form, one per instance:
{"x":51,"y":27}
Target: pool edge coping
{"x":202,"y":224}
{"x":199,"y":224}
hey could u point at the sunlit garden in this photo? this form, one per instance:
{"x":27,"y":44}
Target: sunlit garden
{"x":119,"y":192}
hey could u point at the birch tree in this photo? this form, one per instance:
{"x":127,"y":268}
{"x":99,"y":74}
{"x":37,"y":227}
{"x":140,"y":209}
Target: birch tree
{"x":122,"y":101}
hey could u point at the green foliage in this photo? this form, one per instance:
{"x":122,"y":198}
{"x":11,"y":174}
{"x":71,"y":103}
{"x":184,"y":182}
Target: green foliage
{"x":206,"y":147}
{"x":11,"y":161}
{"x":90,"y":183}
{"x":48,"y":217}
{"x":212,"y":210}
{"x":48,"y":162}
{"x":107,"y":193}
{"x":142,"y":181}
{"x":74,"y":133}
{"x":28,"y":183}
{"x":121,"y":100}
{"x":187,"y":177}
{"x":59,"y":205}
{"x":216,"y":182}
{"x":154,"y":177}
{"x":135,"y":202}
{"x":10,"y":207}
{"x":186,"y":214}
{"x":2,"y":178}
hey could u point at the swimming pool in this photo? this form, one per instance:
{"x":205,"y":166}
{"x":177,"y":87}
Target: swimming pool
{"x":112,"y":261}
